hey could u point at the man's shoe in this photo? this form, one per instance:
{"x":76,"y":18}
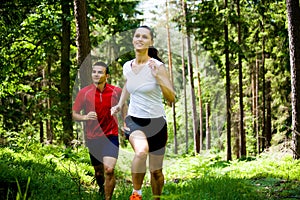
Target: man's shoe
{"x":135,"y":196}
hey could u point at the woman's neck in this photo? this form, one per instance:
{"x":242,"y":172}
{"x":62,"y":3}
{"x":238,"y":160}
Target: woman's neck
{"x":141,"y":57}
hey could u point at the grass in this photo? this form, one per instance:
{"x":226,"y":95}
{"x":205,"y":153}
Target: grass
{"x":55,"y":172}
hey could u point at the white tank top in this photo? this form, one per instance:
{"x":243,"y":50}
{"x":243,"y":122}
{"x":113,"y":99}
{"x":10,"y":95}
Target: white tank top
{"x":145,"y":93}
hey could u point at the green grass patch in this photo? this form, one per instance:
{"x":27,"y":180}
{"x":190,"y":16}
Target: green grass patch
{"x":55,"y":172}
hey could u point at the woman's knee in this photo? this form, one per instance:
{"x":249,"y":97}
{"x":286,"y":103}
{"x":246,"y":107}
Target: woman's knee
{"x":157,"y":174}
{"x":141,"y":153}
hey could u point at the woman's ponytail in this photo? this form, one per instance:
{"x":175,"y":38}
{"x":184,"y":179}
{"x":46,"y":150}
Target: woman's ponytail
{"x":153,"y":53}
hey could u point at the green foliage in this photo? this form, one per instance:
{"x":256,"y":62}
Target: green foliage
{"x":50,"y":171}
{"x":30,"y":33}
{"x":30,"y":56}
{"x":56,"y":172}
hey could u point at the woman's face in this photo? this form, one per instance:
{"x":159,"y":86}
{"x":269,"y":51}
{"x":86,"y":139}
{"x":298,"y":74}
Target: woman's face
{"x":142,"y":39}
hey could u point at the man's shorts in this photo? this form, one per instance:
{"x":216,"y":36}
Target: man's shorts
{"x":155,"y":130}
{"x":102,"y":147}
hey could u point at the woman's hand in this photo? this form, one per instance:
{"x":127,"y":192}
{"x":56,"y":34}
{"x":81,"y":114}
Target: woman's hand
{"x":162,"y":77}
{"x":154,"y":68}
{"x":114,"y":110}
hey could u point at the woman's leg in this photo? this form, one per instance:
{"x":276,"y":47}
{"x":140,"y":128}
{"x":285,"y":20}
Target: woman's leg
{"x":140,"y":146}
{"x":157,"y":177}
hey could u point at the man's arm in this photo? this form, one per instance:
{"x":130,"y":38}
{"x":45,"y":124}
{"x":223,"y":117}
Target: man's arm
{"x":79,"y":117}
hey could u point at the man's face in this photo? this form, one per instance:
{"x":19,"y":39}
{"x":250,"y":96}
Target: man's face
{"x":99,"y":74}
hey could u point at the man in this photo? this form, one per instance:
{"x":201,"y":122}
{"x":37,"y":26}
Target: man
{"x":101,"y":134}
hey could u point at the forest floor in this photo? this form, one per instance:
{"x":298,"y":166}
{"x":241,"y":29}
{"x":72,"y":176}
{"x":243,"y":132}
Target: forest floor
{"x":271,"y":175}
{"x":54,"y":172}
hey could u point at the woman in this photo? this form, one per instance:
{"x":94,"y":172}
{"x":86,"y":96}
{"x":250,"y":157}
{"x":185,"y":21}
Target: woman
{"x":146,"y":81}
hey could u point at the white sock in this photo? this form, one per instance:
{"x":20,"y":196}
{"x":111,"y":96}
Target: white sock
{"x":137,"y":191}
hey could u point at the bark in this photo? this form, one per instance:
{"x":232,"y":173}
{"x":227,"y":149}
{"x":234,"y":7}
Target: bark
{"x":253,"y":89}
{"x":242,"y":139}
{"x":256,"y":110}
{"x":268,"y":116}
{"x":263,"y":123}
{"x":208,"y":136}
{"x":65,"y":75}
{"x":172,"y":79}
{"x":190,"y":74}
{"x":200,"y":136}
{"x":84,"y":61}
{"x":49,"y":131}
{"x":184,"y":98}
{"x":293,"y":14}
{"x":228,"y":99}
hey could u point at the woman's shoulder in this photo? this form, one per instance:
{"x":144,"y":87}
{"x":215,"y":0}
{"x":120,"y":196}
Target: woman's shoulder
{"x":128,"y":63}
{"x":127,"y":66}
{"x":157,"y":61}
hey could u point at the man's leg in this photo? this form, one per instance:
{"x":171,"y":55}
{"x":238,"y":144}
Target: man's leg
{"x":99,"y":176}
{"x":157,"y":177}
{"x":110,"y":180}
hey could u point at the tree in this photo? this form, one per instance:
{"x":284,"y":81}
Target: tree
{"x":200,"y":101}
{"x":191,"y":75}
{"x":65,"y":73}
{"x":171,"y":77}
{"x":84,"y":61}
{"x":228,"y":99}
{"x":184,"y":95}
{"x":293,"y":14}
{"x":242,"y":139}
{"x":208,"y":136}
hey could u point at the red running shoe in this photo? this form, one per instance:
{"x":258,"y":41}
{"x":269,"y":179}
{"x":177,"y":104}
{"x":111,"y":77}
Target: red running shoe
{"x":135,"y":196}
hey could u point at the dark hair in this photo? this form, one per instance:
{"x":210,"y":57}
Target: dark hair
{"x":152,"y":51}
{"x":102,"y":64}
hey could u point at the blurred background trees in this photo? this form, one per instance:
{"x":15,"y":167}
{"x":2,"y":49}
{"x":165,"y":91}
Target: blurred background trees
{"x":238,"y":54}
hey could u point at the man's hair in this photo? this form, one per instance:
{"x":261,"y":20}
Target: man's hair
{"x":102,"y":64}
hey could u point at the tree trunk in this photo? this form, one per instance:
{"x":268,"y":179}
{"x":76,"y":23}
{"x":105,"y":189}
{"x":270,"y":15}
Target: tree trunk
{"x":41,"y":124}
{"x":242,"y":139}
{"x":42,"y":105}
{"x":84,"y":61}
{"x":228,"y":99}
{"x":268,"y":117}
{"x":263,"y":123}
{"x":184,"y":97}
{"x":253,"y":89}
{"x":293,"y":14}
{"x":208,"y":136}
{"x":65,"y":75}
{"x":190,"y":73}
{"x":256,"y":110}
{"x":48,"y":101}
{"x":200,"y":138}
{"x":172,"y":79}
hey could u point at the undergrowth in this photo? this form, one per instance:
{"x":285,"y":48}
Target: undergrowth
{"x":56,"y":172}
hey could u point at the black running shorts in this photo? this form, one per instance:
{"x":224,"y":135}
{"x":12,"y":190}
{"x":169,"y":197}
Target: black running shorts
{"x":155,"y":130}
{"x":101,"y":147}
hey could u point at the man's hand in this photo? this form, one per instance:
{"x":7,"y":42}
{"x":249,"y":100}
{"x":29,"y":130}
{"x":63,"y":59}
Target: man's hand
{"x":91,"y":116}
